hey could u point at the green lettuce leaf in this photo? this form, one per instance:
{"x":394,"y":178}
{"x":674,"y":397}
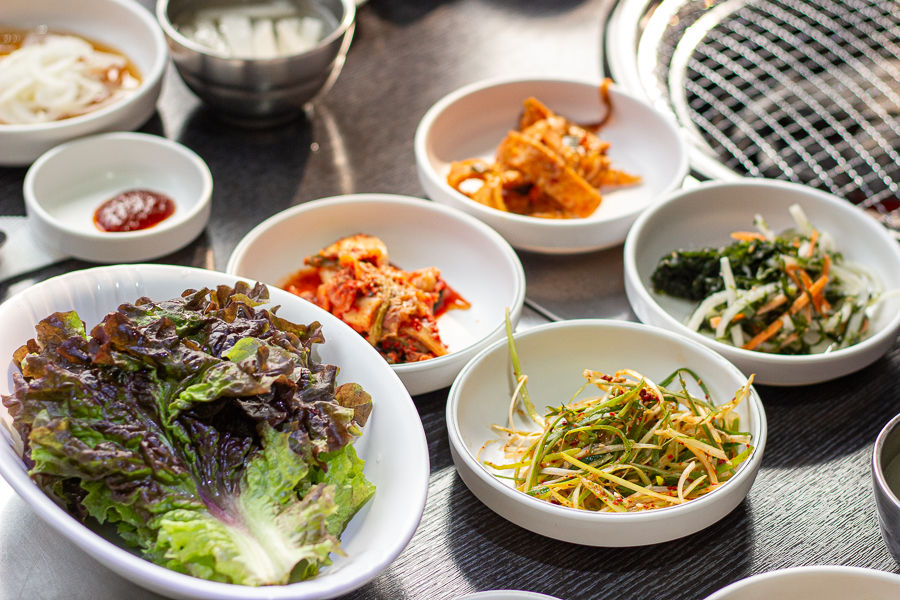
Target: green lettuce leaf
{"x":258,"y":535}
{"x":351,"y":488}
{"x":202,"y":428}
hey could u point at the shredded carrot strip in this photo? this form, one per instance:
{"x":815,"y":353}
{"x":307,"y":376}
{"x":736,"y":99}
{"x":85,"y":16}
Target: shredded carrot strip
{"x":805,"y":282}
{"x":714,"y":321}
{"x":801,"y":301}
{"x":768,"y":332}
{"x":816,"y":289}
{"x":747,"y":236}
{"x":772,"y":304}
{"x":813,"y":290}
{"x":788,"y":340}
{"x":825,"y":305}
{"x":798,"y":305}
{"x":791,"y":270}
{"x":813,"y":238}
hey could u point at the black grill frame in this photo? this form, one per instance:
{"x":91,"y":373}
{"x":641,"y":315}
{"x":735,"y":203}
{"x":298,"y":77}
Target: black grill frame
{"x":800,"y":90}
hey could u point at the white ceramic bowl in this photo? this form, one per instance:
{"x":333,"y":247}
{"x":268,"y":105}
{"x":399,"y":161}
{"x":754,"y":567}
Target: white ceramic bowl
{"x":393,"y":442}
{"x":123,"y":25}
{"x":473,"y":259}
{"x":706,"y":215}
{"x":506,"y":595}
{"x":65,"y":186}
{"x":554,"y":357}
{"x":814,"y":583}
{"x":472,"y":121}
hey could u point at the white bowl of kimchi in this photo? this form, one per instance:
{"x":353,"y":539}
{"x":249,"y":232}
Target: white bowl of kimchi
{"x":108,"y":27}
{"x":473,"y":260}
{"x":471,"y":123}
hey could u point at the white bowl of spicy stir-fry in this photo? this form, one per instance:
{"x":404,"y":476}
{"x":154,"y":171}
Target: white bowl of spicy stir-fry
{"x":786,"y":281}
{"x":555,"y":166}
{"x":606,"y":433}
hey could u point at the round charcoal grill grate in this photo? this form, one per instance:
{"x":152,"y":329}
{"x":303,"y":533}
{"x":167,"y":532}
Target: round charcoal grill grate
{"x":800,"y":90}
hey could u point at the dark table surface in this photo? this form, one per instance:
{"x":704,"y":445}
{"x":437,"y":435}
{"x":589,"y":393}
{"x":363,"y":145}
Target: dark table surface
{"x":812,"y":502}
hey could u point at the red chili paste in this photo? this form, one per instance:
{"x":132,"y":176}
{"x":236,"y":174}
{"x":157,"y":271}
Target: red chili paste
{"x":133,"y":210}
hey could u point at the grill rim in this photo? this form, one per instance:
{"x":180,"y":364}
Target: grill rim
{"x":631,"y":58}
{"x":623,"y":35}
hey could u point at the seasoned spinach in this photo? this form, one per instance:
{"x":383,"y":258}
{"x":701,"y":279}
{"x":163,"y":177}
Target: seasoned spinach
{"x":695,"y":274}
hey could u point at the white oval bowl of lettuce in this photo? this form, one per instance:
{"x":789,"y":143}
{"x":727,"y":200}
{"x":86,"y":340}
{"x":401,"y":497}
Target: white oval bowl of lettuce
{"x":392,"y":443}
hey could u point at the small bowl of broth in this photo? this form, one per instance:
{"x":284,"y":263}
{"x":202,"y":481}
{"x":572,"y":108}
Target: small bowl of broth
{"x":886,"y":478}
{"x":118,"y":197}
{"x":73,"y":69}
{"x":258,"y":62}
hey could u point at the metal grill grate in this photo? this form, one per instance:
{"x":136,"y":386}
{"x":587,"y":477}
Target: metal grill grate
{"x":802,"y":90}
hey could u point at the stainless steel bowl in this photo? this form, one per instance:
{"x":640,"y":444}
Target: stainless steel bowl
{"x":887,"y":448}
{"x":258,"y":91}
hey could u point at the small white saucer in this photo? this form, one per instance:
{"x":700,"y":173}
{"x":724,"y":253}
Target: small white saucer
{"x":506,"y":595}
{"x":66,"y":185}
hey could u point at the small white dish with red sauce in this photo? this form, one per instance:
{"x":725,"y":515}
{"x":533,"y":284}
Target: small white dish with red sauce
{"x":474,"y":260}
{"x":66,"y":186}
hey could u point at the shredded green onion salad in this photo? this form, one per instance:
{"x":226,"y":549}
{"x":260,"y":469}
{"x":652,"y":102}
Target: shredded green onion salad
{"x":637,"y":446}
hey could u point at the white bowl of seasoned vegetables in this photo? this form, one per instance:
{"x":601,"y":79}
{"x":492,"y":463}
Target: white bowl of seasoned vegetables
{"x":787,"y":282}
{"x":556,"y":166}
{"x":425,"y":284}
{"x":209,"y":432}
{"x":602,"y":446}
